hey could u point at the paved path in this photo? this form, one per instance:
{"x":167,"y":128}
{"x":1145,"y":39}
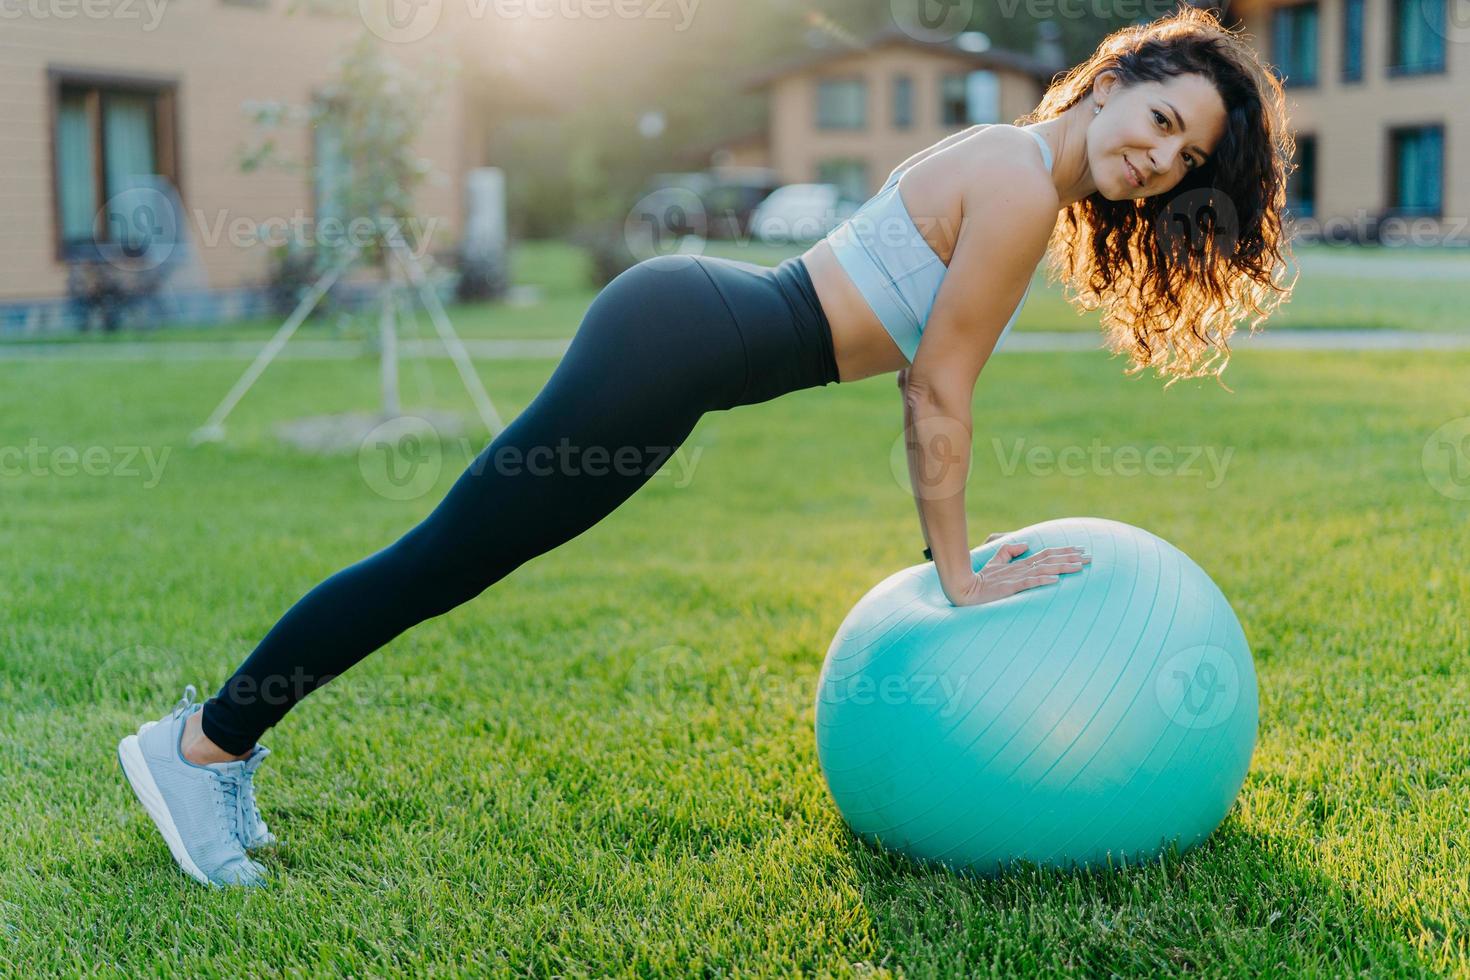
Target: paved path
{"x":1342,"y":264}
{"x":501,"y":350}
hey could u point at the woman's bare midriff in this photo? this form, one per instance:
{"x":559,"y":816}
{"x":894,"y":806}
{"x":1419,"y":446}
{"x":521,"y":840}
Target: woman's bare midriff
{"x":860,"y":344}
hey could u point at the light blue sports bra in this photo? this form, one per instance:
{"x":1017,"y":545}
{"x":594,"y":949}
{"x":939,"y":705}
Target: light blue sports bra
{"x":887,"y":258}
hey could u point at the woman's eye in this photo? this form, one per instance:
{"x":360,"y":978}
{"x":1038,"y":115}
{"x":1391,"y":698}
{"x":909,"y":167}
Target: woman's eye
{"x":1163,"y":121}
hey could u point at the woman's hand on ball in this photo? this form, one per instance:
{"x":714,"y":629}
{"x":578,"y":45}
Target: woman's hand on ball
{"x":1003,"y":576}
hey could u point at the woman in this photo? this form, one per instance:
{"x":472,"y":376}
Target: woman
{"x":944,"y":253}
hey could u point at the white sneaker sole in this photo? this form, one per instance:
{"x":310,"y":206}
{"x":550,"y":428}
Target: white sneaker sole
{"x":135,"y":767}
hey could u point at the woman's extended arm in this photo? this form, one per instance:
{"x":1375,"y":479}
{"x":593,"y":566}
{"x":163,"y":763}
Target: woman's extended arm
{"x":1006,"y":223}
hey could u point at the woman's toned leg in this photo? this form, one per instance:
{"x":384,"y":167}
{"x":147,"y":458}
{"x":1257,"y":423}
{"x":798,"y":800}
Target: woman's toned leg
{"x":656,"y":350}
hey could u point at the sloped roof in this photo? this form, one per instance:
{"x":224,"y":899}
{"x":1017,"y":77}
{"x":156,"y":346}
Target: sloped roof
{"x":998,"y":59}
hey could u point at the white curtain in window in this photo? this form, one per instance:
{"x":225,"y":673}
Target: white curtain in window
{"x":127,"y":128}
{"x":982,"y":96}
{"x":330,"y":173}
{"x":127,"y":139}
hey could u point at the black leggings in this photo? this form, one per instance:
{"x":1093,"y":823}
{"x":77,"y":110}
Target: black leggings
{"x":666,"y":341}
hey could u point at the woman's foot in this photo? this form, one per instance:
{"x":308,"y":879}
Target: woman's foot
{"x":201,"y":810}
{"x":196,"y":747}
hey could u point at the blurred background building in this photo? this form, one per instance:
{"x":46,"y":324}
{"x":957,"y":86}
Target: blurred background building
{"x":583,"y":114}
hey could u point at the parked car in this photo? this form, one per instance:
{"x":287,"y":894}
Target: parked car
{"x":709,"y":204}
{"x":731,"y":201}
{"x":800,"y":213}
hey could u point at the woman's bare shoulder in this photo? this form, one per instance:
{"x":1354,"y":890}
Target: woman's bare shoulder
{"x":1001,"y":144}
{"x":995,"y":161}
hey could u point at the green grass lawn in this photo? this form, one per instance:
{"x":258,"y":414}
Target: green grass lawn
{"x":605,"y":764}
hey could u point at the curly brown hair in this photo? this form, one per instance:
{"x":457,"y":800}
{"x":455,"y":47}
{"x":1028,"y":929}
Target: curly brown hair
{"x":1169,"y":300}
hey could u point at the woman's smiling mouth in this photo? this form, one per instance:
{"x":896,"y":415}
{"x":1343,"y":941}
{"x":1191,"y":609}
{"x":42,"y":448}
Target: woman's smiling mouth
{"x":1133,"y":173}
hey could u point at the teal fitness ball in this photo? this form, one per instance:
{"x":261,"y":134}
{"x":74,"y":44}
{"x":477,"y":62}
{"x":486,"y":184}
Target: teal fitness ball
{"x":1092,"y":722}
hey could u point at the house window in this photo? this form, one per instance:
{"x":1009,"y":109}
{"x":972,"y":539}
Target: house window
{"x":848,"y":174}
{"x":1352,"y":40}
{"x":969,"y":98}
{"x":109,"y":137}
{"x":903,"y":102}
{"x":1417,"y":37}
{"x":329,"y":171}
{"x":982,"y":97}
{"x":842,"y":103}
{"x":1416,"y":171}
{"x":1294,"y":43}
{"x":954,"y":107}
{"x":1301,"y":186}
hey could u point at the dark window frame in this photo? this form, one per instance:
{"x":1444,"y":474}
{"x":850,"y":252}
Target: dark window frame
{"x":1394,"y":68}
{"x":906,"y":81}
{"x":1391,"y":168}
{"x":963,"y":75}
{"x":1290,"y":79}
{"x":1310,"y":138}
{"x":862,"y":81}
{"x":320,"y":100}
{"x":166,"y":137}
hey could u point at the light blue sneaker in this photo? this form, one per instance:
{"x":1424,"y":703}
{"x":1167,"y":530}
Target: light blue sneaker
{"x":254,"y":832}
{"x":201,"y":811}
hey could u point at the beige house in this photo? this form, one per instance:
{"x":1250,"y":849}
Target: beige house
{"x":1379,"y":97}
{"x":849,"y":116}
{"x":100,"y":92}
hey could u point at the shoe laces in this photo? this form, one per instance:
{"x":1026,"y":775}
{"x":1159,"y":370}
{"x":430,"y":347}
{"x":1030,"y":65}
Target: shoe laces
{"x":186,"y":702}
{"x":247,"y":784}
{"x":231,"y":799}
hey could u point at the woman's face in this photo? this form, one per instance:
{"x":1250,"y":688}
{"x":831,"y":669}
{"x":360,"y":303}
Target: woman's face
{"x":1153,"y":132}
